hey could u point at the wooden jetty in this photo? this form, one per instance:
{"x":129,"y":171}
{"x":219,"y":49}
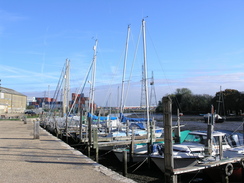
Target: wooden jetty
{"x":171,"y":173}
{"x":89,"y":138}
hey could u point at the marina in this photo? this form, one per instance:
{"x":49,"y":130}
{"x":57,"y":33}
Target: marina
{"x":178,"y":155}
{"x":198,"y":169}
{"x":140,"y":172}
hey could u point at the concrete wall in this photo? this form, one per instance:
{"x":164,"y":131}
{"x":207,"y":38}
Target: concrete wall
{"x":12,"y":103}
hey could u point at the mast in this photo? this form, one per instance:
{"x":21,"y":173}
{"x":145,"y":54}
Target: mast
{"x":153,"y":93}
{"x":221,"y":103}
{"x":145,"y":74}
{"x":142,"y":89}
{"x":93,"y":76}
{"x":124,"y":69}
{"x":66,"y":100}
{"x":66,"y":88}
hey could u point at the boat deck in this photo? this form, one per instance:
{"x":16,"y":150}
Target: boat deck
{"x":206,"y":165}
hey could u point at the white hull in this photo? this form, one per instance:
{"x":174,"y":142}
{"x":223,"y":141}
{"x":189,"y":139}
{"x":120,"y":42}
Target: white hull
{"x":178,"y":162}
{"x":135,"y":157}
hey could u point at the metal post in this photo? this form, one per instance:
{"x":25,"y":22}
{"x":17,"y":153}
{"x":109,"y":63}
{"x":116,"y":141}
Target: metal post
{"x":168,"y":141}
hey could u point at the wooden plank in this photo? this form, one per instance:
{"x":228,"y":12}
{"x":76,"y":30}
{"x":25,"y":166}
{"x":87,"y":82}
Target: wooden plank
{"x":127,"y":142}
{"x":205,"y":165}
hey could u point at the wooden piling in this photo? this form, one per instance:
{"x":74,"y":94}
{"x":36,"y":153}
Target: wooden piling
{"x":177,"y":130}
{"x":36,"y":129}
{"x":125,"y":163}
{"x":25,"y":119}
{"x":168,"y":151}
{"x":220,"y":148}
{"x":95,"y":143}
{"x":80,"y":127}
{"x":127,"y":128}
{"x":66,"y":129}
{"x":132,"y":145}
{"x":89,"y":136}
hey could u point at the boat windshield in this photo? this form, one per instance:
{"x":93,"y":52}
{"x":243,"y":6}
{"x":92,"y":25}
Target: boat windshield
{"x":202,"y":139}
{"x":195,"y":138}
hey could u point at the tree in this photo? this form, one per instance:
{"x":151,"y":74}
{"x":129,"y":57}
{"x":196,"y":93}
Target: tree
{"x":159,"y":108}
{"x":232,"y":101}
{"x":184,"y":100}
{"x":228,"y":101}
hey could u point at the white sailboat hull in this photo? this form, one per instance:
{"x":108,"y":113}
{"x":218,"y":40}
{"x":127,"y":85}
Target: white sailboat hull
{"x":178,"y":162}
{"x":135,"y":157}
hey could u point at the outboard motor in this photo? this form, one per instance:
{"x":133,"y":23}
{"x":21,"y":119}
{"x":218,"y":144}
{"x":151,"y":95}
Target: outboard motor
{"x":235,"y":140}
{"x":158,"y":148}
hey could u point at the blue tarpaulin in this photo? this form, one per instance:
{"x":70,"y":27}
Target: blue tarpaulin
{"x":102,"y":118}
{"x":124,"y":119}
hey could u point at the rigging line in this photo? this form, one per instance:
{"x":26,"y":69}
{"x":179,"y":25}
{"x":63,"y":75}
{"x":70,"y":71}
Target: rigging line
{"x":109,"y":89}
{"x":57,"y":90}
{"x":110,"y":84}
{"x":133,"y":62}
{"x":81,"y":89}
{"x":124,"y":70}
{"x":194,"y":176}
{"x":241,"y":125}
{"x":113,"y":79}
{"x":167,"y":80}
{"x":140,"y":164}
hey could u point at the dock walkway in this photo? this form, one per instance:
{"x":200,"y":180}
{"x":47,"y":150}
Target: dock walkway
{"x":47,"y":159}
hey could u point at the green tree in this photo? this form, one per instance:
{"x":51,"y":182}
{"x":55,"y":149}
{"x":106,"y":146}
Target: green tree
{"x":231,"y":102}
{"x":184,"y":100}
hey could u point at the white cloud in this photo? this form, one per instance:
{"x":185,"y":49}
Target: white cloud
{"x":7,"y":16}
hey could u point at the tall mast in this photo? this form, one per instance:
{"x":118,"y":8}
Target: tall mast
{"x":93,"y":76}
{"x":145,"y":69}
{"x":152,"y":94}
{"x":142,"y":105}
{"x":66,"y":88}
{"x":124,"y":69}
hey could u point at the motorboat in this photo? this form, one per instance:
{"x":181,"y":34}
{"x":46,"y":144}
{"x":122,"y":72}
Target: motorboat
{"x":192,"y":150}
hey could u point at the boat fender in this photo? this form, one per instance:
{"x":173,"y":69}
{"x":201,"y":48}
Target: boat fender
{"x":242,"y":162}
{"x":228,"y":170}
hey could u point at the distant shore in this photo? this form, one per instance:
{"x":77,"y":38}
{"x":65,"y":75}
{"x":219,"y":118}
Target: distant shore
{"x":159,"y":117}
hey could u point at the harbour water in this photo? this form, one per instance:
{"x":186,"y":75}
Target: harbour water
{"x":141,"y":173}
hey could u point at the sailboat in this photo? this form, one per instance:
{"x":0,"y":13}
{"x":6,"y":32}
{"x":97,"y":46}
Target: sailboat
{"x":191,"y":151}
{"x":199,"y":147}
{"x":217,"y":117}
{"x":143,"y":125}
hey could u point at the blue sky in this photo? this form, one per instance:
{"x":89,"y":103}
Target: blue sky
{"x":193,"y":44}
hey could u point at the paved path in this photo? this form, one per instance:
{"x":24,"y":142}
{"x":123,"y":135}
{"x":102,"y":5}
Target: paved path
{"x":24,"y":159}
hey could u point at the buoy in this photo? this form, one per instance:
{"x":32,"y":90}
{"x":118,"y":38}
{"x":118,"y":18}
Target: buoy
{"x":228,"y":170}
{"x":242,"y":162}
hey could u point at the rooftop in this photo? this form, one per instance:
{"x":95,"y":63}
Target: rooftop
{"x":10,"y":91}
